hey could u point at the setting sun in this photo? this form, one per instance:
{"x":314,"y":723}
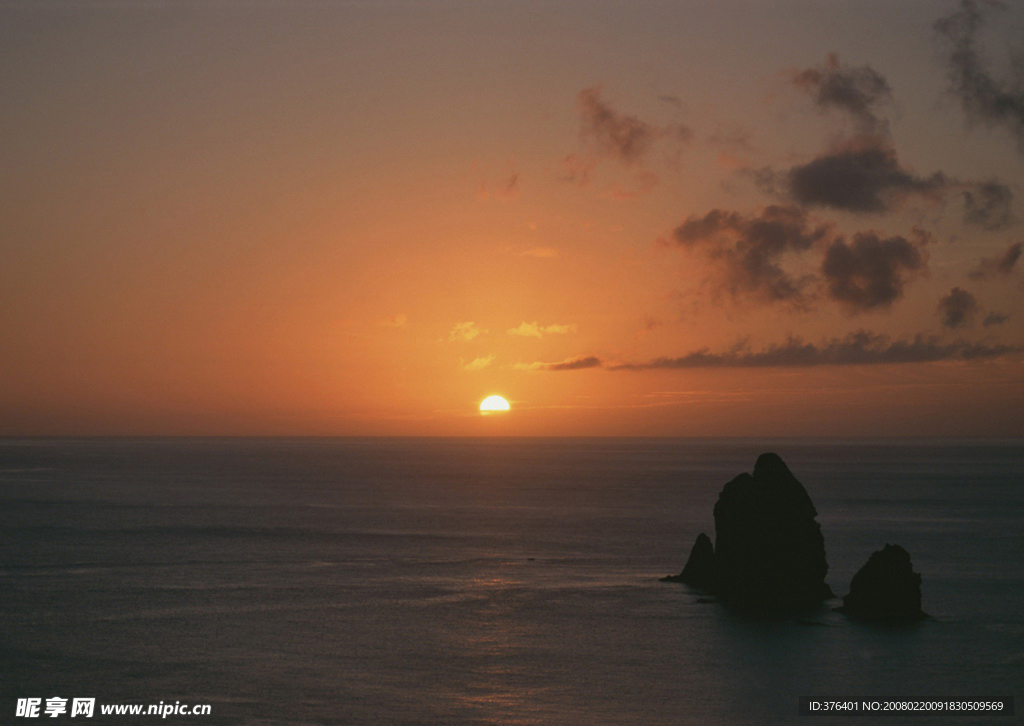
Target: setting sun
{"x":494,"y":404}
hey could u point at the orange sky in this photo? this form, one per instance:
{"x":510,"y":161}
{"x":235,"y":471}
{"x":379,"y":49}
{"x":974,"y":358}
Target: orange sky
{"x":653,"y":218}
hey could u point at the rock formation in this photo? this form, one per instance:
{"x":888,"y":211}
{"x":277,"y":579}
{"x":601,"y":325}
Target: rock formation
{"x":769,"y":554}
{"x":885,"y":588}
{"x":700,"y":566}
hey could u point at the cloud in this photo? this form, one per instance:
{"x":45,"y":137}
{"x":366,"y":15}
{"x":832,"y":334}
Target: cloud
{"x":1001,"y":265}
{"x":867,"y":273}
{"x":464,"y":332}
{"x":750,"y":249}
{"x":607,"y":134}
{"x":958,"y":308}
{"x":624,"y":137}
{"x":478,"y":364}
{"x":571,"y":364}
{"x":856,"y":91}
{"x":861,"y":172}
{"x":871,"y":272}
{"x":862,"y":175}
{"x":617,"y":135}
{"x":995,"y":319}
{"x":859,"y":348}
{"x":1009,"y":259}
{"x":526,"y":330}
{"x":533,"y":330}
{"x":987,"y":205}
{"x":984,"y":97}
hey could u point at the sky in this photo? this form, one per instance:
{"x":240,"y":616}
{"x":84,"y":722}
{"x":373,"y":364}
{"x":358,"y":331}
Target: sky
{"x":644,"y":218}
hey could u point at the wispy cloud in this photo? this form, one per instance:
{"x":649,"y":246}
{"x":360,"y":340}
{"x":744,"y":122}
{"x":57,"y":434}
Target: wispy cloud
{"x":857,"y":91}
{"x":526,"y":330}
{"x":533,"y":330}
{"x":859,"y":348}
{"x":985,"y":98}
{"x":478,"y":364}
{"x":570,"y":364}
{"x":608,"y":134}
{"x":617,"y":135}
{"x":1000,"y":265}
{"x":464,"y":332}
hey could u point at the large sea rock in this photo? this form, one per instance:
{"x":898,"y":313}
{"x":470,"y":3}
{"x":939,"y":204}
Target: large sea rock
{"x":885,"y":588}
{"x":769,"y":554}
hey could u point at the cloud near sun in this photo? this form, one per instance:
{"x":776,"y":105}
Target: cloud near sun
{"x":478,"y":364}
{"x":464,"y":332}
{"x":533,"y":330}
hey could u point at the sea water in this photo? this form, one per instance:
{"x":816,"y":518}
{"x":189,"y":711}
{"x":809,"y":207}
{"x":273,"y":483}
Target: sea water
{"x":484,"y":581}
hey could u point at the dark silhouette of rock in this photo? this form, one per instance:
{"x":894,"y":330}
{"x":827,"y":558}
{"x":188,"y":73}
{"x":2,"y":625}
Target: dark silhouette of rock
{"x":700,"y":567}
{"x":769,"y":554}
{"x":885,"y":588}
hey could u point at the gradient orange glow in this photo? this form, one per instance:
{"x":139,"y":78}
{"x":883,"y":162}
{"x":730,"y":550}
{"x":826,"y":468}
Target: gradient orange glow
{"x":356,"y":219}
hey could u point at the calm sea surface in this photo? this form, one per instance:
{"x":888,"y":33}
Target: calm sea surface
{"x":472,"y":581}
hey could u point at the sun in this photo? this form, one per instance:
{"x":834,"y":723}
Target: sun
{"x":494,"y":404}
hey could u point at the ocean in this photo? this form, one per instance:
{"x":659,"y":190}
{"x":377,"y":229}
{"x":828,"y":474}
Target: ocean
{"x":484,"y":581}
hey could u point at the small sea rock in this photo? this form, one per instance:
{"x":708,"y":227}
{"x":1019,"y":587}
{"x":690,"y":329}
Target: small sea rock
{"x":885,"y":588}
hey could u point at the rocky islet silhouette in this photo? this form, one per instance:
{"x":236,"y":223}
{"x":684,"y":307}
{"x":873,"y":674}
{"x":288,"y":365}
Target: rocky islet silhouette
{"x":769,"y":554}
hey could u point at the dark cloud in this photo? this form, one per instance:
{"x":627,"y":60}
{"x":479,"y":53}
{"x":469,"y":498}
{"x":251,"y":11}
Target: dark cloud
{"x":871,"y":272}
{"x":958,"y":308}
{"x":856,"y":91}
{"x":621,"y":136}
{"x":984,"y":98}
{"x":573,"y":364}
{"x":987,"y":205}
{"x":750,"y":249}
{"x":860,"y":348}
{"x":995,"y":319}
{"x":862,"y":176}
{"x":1006,"y":263}
{"x":1001,"y":265}
{"x":861,"y":173}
